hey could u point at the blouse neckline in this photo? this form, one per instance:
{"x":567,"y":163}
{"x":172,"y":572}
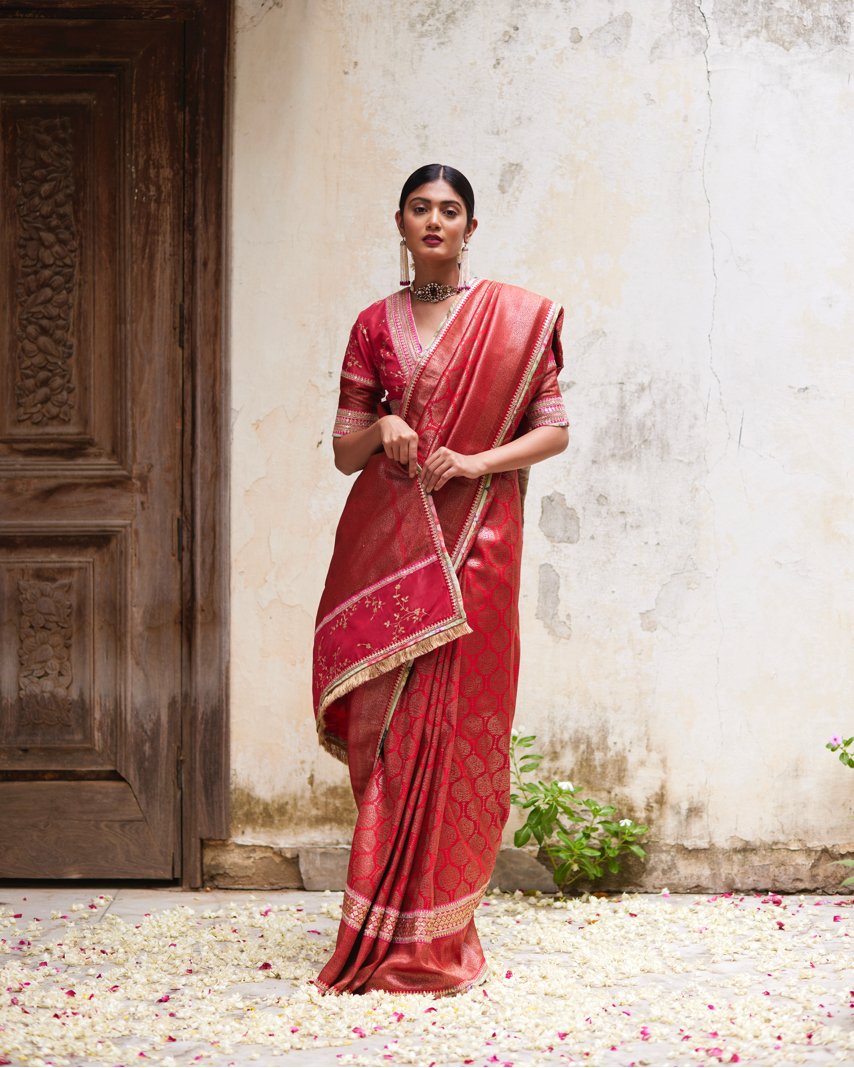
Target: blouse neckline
{"x":414,"y":341}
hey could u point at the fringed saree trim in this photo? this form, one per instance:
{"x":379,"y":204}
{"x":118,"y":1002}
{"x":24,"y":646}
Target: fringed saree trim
{"x":454,"y":629}
{"x":420,"y":925}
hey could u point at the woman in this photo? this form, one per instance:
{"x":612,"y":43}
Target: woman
{"x":448,"y":394}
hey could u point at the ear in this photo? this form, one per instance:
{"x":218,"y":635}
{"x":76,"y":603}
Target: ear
{"x":471,"y":228}
{"x":398,"y":218}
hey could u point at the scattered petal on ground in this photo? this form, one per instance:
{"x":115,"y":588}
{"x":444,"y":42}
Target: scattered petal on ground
{"x":646,"y":979}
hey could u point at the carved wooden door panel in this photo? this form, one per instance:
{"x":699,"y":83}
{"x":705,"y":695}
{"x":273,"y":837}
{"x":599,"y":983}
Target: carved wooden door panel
{"x":90,"y":448}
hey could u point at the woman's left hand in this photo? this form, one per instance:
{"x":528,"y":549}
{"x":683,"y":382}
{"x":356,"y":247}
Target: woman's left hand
{"x":444,"y":463}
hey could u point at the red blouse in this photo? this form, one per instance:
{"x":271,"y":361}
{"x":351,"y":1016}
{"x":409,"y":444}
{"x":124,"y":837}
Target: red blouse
{"x":383,"y":351}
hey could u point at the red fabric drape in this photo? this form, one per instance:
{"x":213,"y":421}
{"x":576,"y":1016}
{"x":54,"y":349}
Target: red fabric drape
{"x":417,"y":645}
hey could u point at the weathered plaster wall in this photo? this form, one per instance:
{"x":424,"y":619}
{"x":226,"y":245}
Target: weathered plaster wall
{"x":677,"y":174}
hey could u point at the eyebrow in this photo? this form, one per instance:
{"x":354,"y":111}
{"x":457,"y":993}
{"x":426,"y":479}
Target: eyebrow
{"x":427,"y":200}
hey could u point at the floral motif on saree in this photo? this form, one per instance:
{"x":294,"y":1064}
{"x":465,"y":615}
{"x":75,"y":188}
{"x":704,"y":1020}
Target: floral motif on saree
{"x":416,"y":642}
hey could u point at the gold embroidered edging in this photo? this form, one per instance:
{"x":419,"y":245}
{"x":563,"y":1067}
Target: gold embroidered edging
{"x":392,"y":703}
{"x":525,"y":381}
{"x":408,"y":570}
{"x":420,"y":925}
{"x":430,"y":350}
{"x":455,"y":629}
{"x":467,"y":533}
{"x":468,"y":530}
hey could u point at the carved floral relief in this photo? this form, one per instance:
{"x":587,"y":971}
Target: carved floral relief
{"x":44,"y":650}
{"x":48,"y":265}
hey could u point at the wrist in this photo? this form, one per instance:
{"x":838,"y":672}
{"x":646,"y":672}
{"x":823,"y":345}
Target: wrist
{"x":481,"y":464}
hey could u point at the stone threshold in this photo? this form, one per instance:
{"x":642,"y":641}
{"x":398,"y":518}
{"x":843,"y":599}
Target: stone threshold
{"x":680,"y":869}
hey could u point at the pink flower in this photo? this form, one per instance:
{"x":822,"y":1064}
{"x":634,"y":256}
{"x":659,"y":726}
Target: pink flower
{"x":835,"y":739}
{"x":358,"y":1032}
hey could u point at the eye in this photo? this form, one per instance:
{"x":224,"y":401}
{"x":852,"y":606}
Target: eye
{"x":452,"y":212}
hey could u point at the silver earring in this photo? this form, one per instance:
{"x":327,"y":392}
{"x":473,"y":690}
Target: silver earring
{"x":404,"y":263}
{"x":465,"y":267}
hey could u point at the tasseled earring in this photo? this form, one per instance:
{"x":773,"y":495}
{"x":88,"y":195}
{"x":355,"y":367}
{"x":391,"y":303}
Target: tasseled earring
{"x":404,"y":263}
{"x":465,"y":268}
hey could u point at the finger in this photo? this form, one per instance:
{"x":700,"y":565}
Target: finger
{"x":413,"y":455}
{"x":428,"y":473}
{"x":438,"y":475}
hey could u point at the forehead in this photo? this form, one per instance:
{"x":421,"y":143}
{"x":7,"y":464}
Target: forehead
{"x":438,"y":190}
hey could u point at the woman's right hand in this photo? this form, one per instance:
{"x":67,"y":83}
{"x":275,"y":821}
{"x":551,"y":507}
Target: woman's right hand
{"x":399,"y":442}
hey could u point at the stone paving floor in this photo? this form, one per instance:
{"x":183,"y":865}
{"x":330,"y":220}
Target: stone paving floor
{"x":121,"y":976}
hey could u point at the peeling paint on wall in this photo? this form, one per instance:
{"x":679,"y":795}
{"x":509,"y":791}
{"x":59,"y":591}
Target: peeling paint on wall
{"x":612,"y":38}
{"x":548,"y":603}
{"x":558,"y":521}
{"x":787,"y":23}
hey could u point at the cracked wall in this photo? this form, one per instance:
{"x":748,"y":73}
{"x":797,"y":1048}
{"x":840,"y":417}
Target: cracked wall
{"x":676,"y":174}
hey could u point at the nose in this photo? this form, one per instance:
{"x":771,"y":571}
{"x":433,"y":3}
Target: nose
{"x":434,"y":220}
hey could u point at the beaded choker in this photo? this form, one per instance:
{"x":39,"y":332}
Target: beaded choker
{"x":433,"y":292}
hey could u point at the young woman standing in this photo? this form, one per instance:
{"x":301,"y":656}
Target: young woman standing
{"x":448,"y":394}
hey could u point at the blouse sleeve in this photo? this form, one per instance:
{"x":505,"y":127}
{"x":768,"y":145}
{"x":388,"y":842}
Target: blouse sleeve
{"x":361,"y":390}
{"x":546,"y":407}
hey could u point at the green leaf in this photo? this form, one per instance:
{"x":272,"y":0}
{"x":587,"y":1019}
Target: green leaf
{"x":522,"y":836}
{"x":636,"y":849}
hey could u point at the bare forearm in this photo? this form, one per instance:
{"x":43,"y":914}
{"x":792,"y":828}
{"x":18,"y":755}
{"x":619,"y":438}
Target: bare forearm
{"x":353,"y":450}
{"x":538,"y":444}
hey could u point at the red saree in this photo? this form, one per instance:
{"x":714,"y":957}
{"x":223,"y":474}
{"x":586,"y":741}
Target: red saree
{"x":416,"y":652}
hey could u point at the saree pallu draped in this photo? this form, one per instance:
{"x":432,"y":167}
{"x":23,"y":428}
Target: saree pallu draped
{"x":416,"y":657}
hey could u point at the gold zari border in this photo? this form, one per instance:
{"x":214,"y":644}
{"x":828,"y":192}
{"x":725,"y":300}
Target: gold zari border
{"x":422,"y":925}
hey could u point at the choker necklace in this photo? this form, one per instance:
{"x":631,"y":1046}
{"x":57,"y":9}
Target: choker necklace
{"x":433,"y":292}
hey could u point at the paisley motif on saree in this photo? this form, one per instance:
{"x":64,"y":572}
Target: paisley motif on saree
{"x":416,"y":647}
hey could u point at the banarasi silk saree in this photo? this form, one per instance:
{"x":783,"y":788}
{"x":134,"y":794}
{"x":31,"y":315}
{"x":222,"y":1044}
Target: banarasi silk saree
{"x":416,"y":651}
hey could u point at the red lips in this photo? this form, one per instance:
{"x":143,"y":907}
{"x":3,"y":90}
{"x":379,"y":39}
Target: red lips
{"x":432,"y":239}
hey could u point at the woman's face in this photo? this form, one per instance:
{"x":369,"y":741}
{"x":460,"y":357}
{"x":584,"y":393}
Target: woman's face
{"x":433,"y":222}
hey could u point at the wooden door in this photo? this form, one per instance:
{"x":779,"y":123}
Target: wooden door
{"x":91,"y":237}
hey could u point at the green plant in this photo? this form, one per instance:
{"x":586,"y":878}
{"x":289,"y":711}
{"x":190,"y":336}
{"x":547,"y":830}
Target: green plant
{"x":577,"y":836}
{"x":843,"y":747}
